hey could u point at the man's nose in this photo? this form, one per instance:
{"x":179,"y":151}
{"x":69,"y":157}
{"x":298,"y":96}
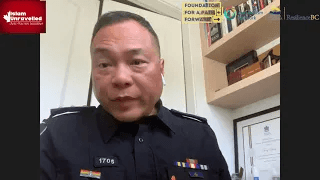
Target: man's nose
{"x":122,"y":77}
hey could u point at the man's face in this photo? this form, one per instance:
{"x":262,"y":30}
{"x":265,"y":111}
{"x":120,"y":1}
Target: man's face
{"x":126,"y":70}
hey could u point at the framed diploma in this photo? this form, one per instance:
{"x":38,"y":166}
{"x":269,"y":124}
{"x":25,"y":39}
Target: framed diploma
{"x":257,"y":144}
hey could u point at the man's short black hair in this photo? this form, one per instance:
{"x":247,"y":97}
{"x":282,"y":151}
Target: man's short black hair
{"x":113,"y":17}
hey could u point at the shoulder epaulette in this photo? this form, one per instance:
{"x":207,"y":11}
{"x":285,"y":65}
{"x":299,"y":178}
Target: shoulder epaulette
{"x":189,"y":116}
{"x":69,"y":110}
{"x":61,"y":111}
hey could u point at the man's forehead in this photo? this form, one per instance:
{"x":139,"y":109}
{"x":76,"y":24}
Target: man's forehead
{"x":120,"y":31}
{"x":135,"y":33}
{"x":128,"y":26}
{"x":105,"y":50}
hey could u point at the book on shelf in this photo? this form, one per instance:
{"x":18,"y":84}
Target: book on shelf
{"x":243,"y":14}
{"x":248,"y":9}
{"x":265,"y":3}
{"x":224,"y":26}
{"x":229,"y":25}
{"x":238,"y":19}
{"x":205,"y":30}
{"x":257,"y":4}
{"x":254,"y":7}
{"x":249,"y":3}
{"x":234,"y":77}
{"x":245,"y":11}
{"x":215,"y":32}
{"x":208,"y":35}
{"x":261,"y":3}
{"x":234,"y":23}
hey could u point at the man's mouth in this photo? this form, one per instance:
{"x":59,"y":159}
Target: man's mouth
{"x":123,"y":99}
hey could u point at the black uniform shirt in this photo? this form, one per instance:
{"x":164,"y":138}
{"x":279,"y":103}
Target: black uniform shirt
{"x":154,"y":147}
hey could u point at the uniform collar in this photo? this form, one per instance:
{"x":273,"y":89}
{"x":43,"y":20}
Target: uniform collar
{"x":167,"y":117}
{"x":108,"y":125}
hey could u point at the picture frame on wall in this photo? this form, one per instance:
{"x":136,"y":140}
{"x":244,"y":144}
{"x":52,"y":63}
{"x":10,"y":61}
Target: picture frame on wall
{"x":215,"y":32}
{"x":257,"y":144}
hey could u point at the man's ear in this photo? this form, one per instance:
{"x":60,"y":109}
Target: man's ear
{"x":162,"y":66}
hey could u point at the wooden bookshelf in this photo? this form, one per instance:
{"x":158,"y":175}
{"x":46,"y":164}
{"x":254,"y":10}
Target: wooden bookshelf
{"x":252,"y":34}
{"x":263,"y":84}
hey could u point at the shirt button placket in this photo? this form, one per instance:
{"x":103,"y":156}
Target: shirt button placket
{"x":143,"y":170}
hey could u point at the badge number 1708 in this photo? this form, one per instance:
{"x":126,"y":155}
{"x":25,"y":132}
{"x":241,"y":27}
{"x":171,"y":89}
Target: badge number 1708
{"x":105,"y":160}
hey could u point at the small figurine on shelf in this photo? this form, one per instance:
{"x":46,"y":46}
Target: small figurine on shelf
{"x":270,"y":59}
{"x":275,"y":59}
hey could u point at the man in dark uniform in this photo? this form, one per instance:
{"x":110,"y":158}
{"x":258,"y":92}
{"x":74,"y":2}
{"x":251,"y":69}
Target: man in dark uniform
{"x":130,"y":135}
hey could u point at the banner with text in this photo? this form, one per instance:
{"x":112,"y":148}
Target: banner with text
{"x":201,"y":12}
{"x":22,"y":17}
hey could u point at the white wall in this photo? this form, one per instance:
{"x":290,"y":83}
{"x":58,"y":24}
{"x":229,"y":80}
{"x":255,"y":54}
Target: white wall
{"x":64,"y":54}
{"x":76,"y":93}
{"x":257,"y":106}
{"x":219,"y":119}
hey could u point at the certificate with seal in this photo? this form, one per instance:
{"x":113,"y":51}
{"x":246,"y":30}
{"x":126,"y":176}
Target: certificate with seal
{"x":263,"y":147}
{"x":265,"y":139}
{"x":257,"y":144}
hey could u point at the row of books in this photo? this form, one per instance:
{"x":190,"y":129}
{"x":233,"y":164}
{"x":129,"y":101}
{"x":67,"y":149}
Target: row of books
{"x":248,"y":9}
{"x":245,"y":11}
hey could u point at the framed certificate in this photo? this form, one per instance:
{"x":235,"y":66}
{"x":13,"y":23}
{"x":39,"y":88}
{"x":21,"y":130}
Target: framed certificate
{"x":257,"y":144}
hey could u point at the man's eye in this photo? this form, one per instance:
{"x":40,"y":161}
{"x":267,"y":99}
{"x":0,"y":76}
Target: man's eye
{"x":103,"y":65}
{"x":137,"y":62}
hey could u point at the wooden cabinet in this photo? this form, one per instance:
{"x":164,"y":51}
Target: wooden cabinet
{"x":250,"y":35}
